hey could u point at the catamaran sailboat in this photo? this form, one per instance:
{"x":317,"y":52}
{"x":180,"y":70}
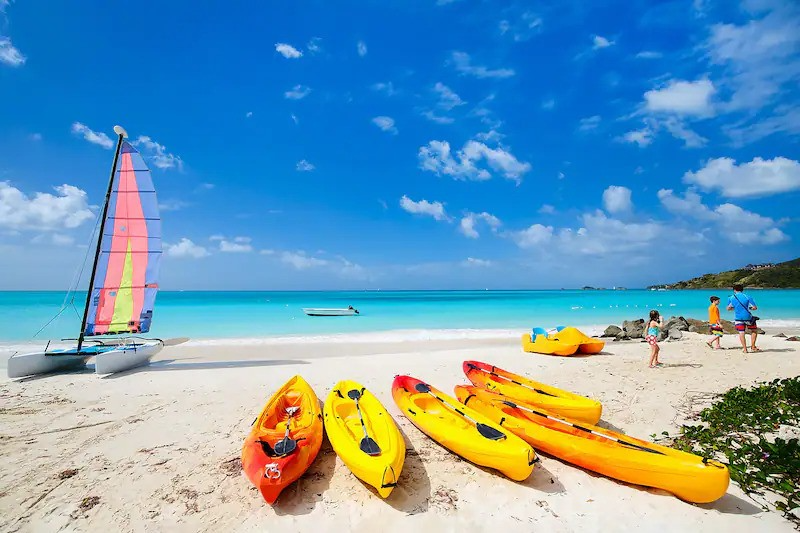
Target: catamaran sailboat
{"x":123,"y":282}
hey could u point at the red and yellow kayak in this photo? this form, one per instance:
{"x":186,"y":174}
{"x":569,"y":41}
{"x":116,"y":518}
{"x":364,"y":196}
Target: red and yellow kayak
{"x":687,"y":476}
{"x":284,"y":440}
{"x":462,"y":430}
{"x":561,"y":402}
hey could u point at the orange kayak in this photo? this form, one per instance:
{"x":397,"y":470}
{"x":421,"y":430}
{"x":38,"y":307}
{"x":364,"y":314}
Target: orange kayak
{"x":284,"y":440}
{"x":516,"y":387}
{"x":687,"y":476}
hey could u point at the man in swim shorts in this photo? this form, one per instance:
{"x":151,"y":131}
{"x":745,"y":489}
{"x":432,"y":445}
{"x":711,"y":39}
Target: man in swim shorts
{"x":742,"y":305}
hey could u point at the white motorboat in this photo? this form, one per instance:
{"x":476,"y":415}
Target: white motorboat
{"x":346,"y":311}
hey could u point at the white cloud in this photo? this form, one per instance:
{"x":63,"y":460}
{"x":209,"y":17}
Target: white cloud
{"x":759,"y":57}
{"x":301,"y":261}
{"x":617,"y":199}
{"x":386,"y":88}
{"x":158,"y":154}
{"x":313,"y":45}
{"x":295,"y":119}
{"x":172,"y":205}
{"x":304,"y":166}
{"x":67,"y":209}
{"x":785,"y":119}
{"x":439,"y":119}
{"x":679,"y":130}
{"x":185,"y":249}
{"x":599,"y":42}
{"x":691,"y":205}
{"x":298,"y":92}
{"x":448,"y":99}
{"x":643,"y":137}
{"x":9,"y":54}
{"x":100,"y":139}
{"x":522,"y":27}
{"x":463,"y":64}
{"x":733,"y":223}
{"x":561,"y":175}
{"x":492,"y":136}
{"x":474,"y":262}
{"x":56,"y":239}
{"x":759,"y":177}
{"x":649,"y":54}
{"x":589,"y":123}
{"x":692,"y":98}
{"x":237,"y":245}
{"x":424,"y":207}
{"x":549,"y":104}
{"x":470,"y":220}
{"x":758,"y":65}
{"x":386,"y":124}
{"x":601,"y":235}
{"x":36,"y":137}
{"x":547,"y":209}
{"x":436,"y":157}
{"x":205,"y":187}
{"x":672,"y":124}
{"x":533,"y":236}
{"x":248,"y":114}
{"x":288,"y":51}
{"x":361,"y":47}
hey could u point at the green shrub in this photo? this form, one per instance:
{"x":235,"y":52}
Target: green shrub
{"x":741,"y":429}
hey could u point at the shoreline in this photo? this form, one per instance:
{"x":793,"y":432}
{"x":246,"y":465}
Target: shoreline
{"x":399,"y":335}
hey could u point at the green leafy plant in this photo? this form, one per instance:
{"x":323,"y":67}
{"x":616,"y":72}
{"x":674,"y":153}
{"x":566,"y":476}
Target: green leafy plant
{"x":743,"y":428}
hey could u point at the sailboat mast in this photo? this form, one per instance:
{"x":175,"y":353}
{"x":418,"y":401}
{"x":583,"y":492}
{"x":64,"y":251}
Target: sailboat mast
{"x":121,"y":135}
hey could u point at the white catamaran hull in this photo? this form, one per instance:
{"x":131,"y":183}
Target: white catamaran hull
{"x":30,"y":364}
{"x":330,"y":312}
{"x":126,"y":357}
{"x":108,"y":359}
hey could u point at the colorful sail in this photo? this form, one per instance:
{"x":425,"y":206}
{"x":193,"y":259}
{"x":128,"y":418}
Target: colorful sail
{"x":126,"y":282}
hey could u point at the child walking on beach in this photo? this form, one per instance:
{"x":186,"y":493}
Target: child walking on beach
{"x":653,"y":329}
{"x":714,"y":324}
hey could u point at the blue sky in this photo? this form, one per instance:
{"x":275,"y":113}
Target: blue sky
{"x":407,"y":144}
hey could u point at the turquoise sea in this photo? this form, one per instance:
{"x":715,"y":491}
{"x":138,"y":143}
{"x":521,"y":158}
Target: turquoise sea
{"x":258,"y":314}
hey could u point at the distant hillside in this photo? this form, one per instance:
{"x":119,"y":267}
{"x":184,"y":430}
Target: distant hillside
{"x":780,"y":276}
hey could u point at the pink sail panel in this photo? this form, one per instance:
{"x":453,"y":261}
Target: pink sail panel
{"x":126,"y":282}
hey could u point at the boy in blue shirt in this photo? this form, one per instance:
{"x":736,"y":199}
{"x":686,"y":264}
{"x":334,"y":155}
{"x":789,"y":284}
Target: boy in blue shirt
{"x":741,"y":305}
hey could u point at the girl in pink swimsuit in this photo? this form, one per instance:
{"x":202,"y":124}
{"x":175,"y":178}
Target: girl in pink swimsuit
{"x":651,"y":336}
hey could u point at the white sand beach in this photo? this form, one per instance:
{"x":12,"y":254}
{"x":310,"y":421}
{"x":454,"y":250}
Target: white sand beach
{"x":159,"y":446}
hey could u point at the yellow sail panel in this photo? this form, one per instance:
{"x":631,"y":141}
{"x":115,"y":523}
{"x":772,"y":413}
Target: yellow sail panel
{"x":123,"y":306}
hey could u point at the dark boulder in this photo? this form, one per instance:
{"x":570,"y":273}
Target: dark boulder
{"x":634,"y":328}
{"x":699,"y":324}
{"x":611,"y":331}
{"x":675,"y":334}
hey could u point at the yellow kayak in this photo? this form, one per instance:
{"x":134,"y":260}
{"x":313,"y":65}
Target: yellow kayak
{"x":561,"y":402}
{"x":364,"y":436}
{"x":462,"y":430}
{"x":541,"y":343}
{"x":687,"y":476}
{"x":586,"y":344}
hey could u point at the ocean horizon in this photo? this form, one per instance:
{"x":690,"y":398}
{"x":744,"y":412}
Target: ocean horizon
{"x":256,"y":314}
